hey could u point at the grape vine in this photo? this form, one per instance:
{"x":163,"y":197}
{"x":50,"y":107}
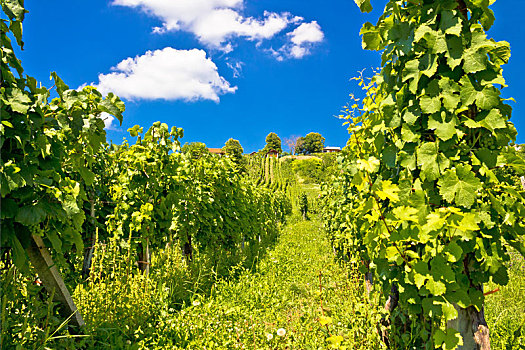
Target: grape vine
{"x":419,"y":201}
{"x":47,"y":150}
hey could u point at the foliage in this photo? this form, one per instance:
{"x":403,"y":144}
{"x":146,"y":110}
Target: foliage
{"x":116,"y":296}
{"x":511,"y":175}
{"x":233,"y":149}
{"x":48,"y":151}
{"x":195,"y":149}
{"x":29,"y":317}
{"x":280,"y":305}
{"x":303,"y":205}
{"x":317,"y":168}
{"x":311,"y":143}
{"x":272,"y":173}
{"x":309,"y":170}
{"x":504,"y":307}
{"x":205,"y":203}
{"x":273,"y":143}
{"x":418,"y":200}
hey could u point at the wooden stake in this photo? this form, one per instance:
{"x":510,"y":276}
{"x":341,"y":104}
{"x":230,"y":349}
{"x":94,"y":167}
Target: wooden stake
{"x":52,"y":280}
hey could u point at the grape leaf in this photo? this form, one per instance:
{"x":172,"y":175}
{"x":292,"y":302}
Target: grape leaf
{"x":459,"y":186}
{"x":432,"y":162}
{"x":364,"y":5}
{"x":443,"y":129}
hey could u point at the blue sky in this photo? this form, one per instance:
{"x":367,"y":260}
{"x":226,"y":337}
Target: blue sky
{"x":250,"y":68}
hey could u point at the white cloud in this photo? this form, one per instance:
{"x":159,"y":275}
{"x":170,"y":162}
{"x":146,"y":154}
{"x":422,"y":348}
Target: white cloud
{"x":214,"y":22}
{"x":307,"y":33}
{"x":108,"y":121}
{"x":302,"y":38}
{"x":167,"y":74}
{"x":236,"y":67}
{"x":301,"y":41}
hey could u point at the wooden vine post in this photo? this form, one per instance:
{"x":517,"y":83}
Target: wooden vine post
{"x":420,"y":196}
{"x":52,"y":280}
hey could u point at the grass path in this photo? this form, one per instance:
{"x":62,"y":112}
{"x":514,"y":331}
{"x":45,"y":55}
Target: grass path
{"x":297,"y":289}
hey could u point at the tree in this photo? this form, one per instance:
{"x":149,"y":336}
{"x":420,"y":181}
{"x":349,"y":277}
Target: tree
{"x":195,"y":149}
{"x":311,"y":143}
{"x":291,"y":142}
{"x":273,"y":143}
{"x":233,"y":149}
{"x":426,"y":207}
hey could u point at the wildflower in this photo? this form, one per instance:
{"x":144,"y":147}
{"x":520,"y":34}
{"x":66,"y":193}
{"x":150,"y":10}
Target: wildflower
{"x":196,"y":303}
{"x":269,"y":336}
{"x":281,"y":332}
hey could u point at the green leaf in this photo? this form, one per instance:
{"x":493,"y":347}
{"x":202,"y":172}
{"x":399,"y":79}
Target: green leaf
{"x":409,"y":117}
{"x":486,"y":98}
{"x":87,"y":175}
{"x":14,"y":9}
{"x":447,"y":340}
{"x":475,"y":60}
{"x":59,"y":84}
{"x":454,"y":52}
{"x":389,"y":156}
{"x":469,"y":222}
{"x":488,"y":157}
{"x":411,"y":71}
{"x":135,"y":131}
{"x":501,"y":276}
{"x":459,"y":186}
{"x":16,"y":29}
{"x":371,"y":37}
{"x":434,"y":222}
{"x":492,"y":120}
{"x":9,"y":208}
{"x":388,"y":190}
{"x":445,"y":130}
{"x":404,"y":213}
{"x":500,"y":54}
{"x":30,"y":215}
{"x":441,"y":270}
{"x":422,"y":31}
{"x":19,"y":101}
{"x":450,"y":22}
{"x":510,"y":158}
{"x":428,"y":64}
{"x":430,"y":105}
{"x":19,"y":255}
{"x":453,"y":252}
{"x":459,"y":297}
{"x":114,"y":106}
{"x":432,"y":162}
{"x":449,"y":311}
{"x":437,"y":288}
{"x":55,"y":240}
{"x":364,"y":5}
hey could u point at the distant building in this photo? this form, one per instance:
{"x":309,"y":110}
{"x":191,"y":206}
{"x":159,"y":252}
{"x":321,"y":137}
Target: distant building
{"x":331,"y":149}
{"x":216,"y":151}
{"x":272,"y":153}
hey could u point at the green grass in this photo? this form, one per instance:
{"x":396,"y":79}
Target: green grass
{"x":296,"y":287}
{"x":505,"y":309}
